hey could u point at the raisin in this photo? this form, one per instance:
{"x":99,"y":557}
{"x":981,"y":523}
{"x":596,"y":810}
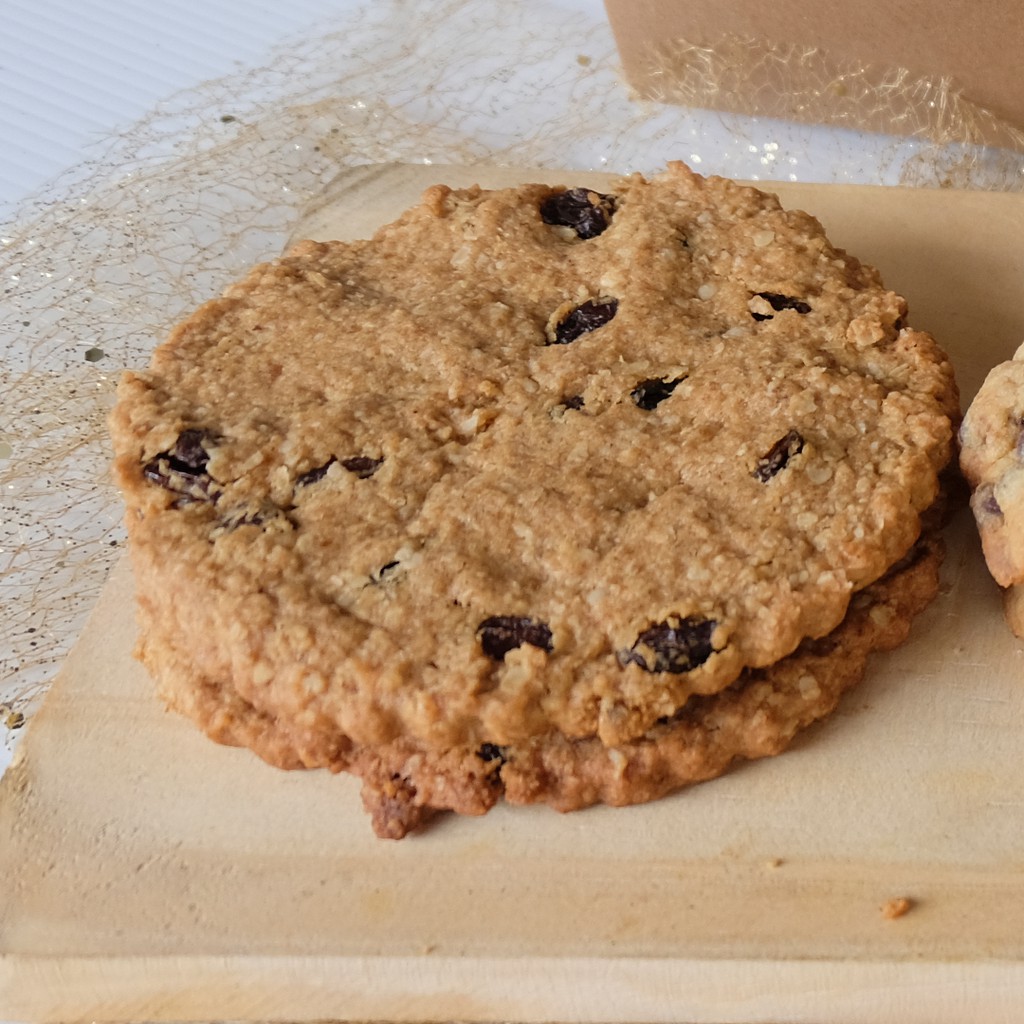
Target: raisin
{"x":779,"y":303}
{"x":189,"y":449}
{"x":777,"y":457}
{"x":500,"y":634}
{"x":583,"y":319}
{"x":315,"y":474}
{"x":649,"y":394}
{"x":182,"y":468}
{"x":491,"y":752}
{"x":679,"y":645}
{"x":494,"y":757}
{"x":573,"y":402}
{"x":362,"y":465}
{"x":384,"y":572}
{"x":588,"y":213}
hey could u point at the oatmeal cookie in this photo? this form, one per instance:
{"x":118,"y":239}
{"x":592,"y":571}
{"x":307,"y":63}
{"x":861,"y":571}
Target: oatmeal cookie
{"x":530,"y":462}
{"x":992,"y":460}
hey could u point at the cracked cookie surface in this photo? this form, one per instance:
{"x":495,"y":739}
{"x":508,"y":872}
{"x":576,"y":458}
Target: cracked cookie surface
{"x":540,"y":460}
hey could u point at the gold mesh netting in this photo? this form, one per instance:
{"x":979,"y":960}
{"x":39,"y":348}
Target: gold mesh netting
{"x":95,"y":268}
{"x":953,"y":141}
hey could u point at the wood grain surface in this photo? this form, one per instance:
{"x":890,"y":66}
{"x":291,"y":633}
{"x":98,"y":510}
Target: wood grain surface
{"x":149,"y":874}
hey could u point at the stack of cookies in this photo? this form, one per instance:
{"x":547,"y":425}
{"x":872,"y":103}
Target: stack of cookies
{"x":543,"y":493}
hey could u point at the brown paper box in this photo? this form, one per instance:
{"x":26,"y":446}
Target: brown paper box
{"x":936,"y":53}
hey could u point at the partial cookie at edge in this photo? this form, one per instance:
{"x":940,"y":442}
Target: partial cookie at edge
{"x":992,"y":460}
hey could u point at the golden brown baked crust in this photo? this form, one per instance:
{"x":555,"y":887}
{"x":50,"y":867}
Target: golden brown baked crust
{"x":529,"y":463}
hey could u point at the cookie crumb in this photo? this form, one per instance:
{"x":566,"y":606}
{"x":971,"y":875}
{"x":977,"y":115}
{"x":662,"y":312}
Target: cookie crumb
{"x":774,"y":862}
{"x":898,"y":906}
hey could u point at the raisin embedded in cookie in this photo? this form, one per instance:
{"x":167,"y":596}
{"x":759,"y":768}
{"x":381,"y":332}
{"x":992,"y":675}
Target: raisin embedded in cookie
{"x":992,"y":460}
{"x":529,"y":462}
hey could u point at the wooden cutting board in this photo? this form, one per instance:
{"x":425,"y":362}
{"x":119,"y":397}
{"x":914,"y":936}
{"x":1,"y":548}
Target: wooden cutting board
{"x":149,"y":874}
